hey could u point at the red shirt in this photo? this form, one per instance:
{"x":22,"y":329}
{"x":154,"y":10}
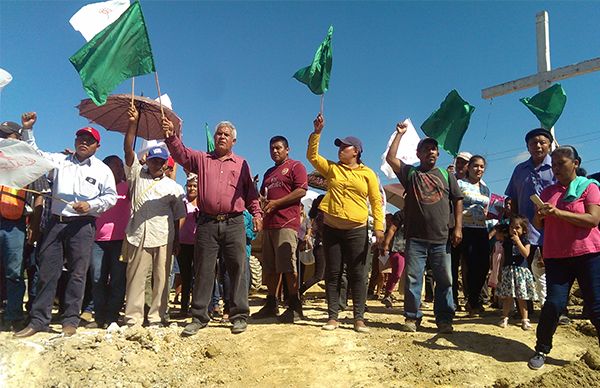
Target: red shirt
{"x":563,"y":239}
{"x":224,"y":186}
{"x":279,"y":181}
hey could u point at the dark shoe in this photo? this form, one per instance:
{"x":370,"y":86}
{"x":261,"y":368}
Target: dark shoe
{"x":239,"y":326}
{"x":13,"y":326}
{"x":360,"y":327}
{"x":26,"y":332}
{"x":288,"y":316}
{"x":387,"y":301}
{"x":193,"y":328}
{"x":537,"y":361}
{"x":69,"y":331}
{"x":410,"y":325}
{"x":445,"y":328}
{"x":269,"y":310}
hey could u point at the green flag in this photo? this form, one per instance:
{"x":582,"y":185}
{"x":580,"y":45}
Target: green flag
{"x":548,"y":105}
{"x":120,"y":51}
{"x":449,"y":123}
{"x":210,"y":141}
{"x":316,"y":76}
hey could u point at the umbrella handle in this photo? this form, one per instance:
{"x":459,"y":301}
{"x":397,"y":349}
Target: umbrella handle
{"x":132,"y":89}
{"x":162,"y":113}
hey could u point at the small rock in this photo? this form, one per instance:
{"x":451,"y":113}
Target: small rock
{"x":212,"y":351}
{"x":502,"y":383}
{"x":592,"y":359}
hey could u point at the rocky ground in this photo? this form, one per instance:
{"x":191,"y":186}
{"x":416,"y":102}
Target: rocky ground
{"x":270,"y":354}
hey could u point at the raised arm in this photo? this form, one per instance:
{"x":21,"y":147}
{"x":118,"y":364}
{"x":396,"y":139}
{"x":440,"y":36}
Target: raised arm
{"x":312,"y":153}
{"x":393,"y":161}
{"x":180,"y":153}
{"x":130,"y":136}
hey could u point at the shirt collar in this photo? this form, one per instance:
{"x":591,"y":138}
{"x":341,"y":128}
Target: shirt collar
{"x":87,"y":161}
{"x":231,"y":156}
{"x":546,"y":162}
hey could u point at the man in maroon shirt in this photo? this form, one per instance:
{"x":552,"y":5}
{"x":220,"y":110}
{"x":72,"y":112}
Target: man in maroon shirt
{"x":283,"y":186}
{"x":225,"y":188}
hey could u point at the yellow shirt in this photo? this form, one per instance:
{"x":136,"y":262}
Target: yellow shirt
{"x":348,"y":188}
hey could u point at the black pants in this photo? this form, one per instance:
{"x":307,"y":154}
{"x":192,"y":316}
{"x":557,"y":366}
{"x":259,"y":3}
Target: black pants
{"x":228,"y":236}
{"x":347,"y":247}
{"x":185,"y":259}
{"x":73,"y":241}
{"x":455,"y":255}
{"x":476,"y":251}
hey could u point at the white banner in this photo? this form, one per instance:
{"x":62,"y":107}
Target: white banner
{"x":5,"y":78}
{"x":20,"y":164}
{"x":407,"y":150}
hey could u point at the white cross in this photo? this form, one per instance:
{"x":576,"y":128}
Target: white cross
{"x":545,"y":75}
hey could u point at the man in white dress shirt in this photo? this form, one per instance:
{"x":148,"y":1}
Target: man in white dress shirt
{"x":83,"y":188}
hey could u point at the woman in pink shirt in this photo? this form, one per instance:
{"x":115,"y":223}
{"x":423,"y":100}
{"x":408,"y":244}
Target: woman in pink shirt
{"x":187,"y":232}
{"x":569,"y":217}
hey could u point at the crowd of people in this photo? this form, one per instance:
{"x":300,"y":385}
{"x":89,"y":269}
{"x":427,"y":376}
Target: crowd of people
{"x":101,"y":235}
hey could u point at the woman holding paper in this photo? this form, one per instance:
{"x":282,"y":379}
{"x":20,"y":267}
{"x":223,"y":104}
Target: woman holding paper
{"x":569,"y":216}
{"x":350,"y":184}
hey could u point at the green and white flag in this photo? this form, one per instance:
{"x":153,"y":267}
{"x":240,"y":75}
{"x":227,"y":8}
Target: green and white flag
{"x":548,"y":105}
{"x":316,"y":76}
{"x":120,"y":51}
{"x":449,"y":123}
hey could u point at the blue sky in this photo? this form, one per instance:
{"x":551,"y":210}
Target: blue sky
{"x":391,"y":60}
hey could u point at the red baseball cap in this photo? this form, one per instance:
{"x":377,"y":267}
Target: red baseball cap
{"x":171,"y":162}
{"x":91,"y":131}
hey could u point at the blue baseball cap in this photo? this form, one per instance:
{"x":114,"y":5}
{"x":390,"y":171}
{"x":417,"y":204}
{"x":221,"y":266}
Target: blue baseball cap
{"x":157,"y":152}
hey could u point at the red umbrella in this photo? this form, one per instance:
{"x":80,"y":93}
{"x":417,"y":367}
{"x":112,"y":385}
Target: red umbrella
{"x":113,"y":115}
{"x":317,"y":181}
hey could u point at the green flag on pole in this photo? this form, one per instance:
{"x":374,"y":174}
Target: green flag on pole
{"x":548,"y":105}
{"x":449,"y":123}
{"x":210,"y":141}
{"x":316,"y":76}
{"x":118,"y":52}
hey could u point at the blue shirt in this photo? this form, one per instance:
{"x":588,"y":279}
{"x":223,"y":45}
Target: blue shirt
{"x":525,"y":181}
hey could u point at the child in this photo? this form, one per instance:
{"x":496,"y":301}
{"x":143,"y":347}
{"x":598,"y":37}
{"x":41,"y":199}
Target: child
{"x":516,"y":280}
{"x":394,"y":241}
{"x":500,"y":233}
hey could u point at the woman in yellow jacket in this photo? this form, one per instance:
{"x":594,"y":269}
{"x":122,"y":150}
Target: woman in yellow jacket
{"x":349,"y":185}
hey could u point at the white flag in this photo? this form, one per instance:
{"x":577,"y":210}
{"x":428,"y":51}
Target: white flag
{"x":20,"y":164}
{"x":93,"y":18}
{"x":407,"y":150}
{"x":5,"y":78}
{"x":165,"y":100}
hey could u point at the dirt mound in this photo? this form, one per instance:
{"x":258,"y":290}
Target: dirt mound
{"x":269,"y":354}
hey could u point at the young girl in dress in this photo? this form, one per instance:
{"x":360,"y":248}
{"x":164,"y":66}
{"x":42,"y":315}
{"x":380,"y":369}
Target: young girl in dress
{"x":516,"y":279}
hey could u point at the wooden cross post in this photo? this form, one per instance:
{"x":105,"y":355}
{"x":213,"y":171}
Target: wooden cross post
{"x":545,"y":75}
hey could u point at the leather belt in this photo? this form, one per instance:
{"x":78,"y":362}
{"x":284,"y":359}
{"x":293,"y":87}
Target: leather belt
{"x":220,"y":217}
{"x":67,"y":219}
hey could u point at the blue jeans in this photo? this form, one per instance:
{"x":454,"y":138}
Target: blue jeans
{"x":560,"y":274}
{"x":108,"y":280}
{"x":12,"y":241}
{"x":418,"y":253}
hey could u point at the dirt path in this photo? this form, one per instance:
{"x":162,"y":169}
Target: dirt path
{"x":268,"y":354}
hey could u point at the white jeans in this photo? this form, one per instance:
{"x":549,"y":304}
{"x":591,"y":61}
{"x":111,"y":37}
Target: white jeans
{"x":539,"y":274}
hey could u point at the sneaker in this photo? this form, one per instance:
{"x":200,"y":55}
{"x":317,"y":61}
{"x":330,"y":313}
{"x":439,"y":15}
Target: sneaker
{"x":525,"y":325}
{"x":387,"y":301}
{"x":331,"y":324}
{"x":289,"y":316}
{"x":445,"y":328}
{"x":86,"y":316}
{"x":537,"y":361}
{"x":410,"y":325}
{"x":239,"y":326}
{"x":563,"y":320}
{"x":503,"y":322}
{"x":193,"y":328}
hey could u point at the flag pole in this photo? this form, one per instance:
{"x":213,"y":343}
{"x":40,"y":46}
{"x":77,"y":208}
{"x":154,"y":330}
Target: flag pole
{"x":132,"y":89}
{"x":162,"y":113}
{"x":322,"y":98}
